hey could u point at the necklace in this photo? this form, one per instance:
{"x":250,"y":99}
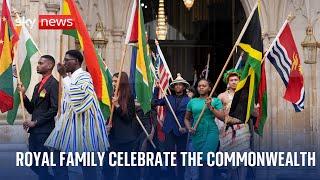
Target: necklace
{"x":230,"y":97}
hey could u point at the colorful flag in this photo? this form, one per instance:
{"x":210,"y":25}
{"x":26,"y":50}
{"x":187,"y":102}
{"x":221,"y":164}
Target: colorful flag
{"x":132,"y":77}
{"x":108,"y":77}
{"x":26,"y":48}
{"x":246,"y":91}
{"x":164,"y":62}
{"x":164,"y":77}
{"x":143,"y":77}
{"x":8,"y":38}
{"x":262,"y":101}
{"x":132,"y":32}
{"x":284,"y":57}
{"x":90,"y":56}
{"x":163,"y":73}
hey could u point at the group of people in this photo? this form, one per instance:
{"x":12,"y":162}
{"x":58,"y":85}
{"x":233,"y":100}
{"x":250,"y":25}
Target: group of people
{"x":81,"y":127}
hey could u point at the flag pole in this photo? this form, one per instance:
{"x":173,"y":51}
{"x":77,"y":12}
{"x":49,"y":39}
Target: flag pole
{"x":60,"y":77}
{"x":20,"y":93}
{"x":289,"y":19}
{"x":162,"y":57}
{"x":60,"y":61}
{"x":146,"y":132}
{"x":118,"y":83}
{"x":18,"y":75}
{"x":227,"y":62}
{"x":208,"y":62}
{"x":166,"y":98}
{"x":163,"y":60}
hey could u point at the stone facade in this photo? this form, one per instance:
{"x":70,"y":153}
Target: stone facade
{"x":284,"y":130}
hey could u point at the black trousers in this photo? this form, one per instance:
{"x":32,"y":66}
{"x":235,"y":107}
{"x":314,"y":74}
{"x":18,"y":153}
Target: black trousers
{"x":36,"y":144}
{"x":124,"y":173}
{"x":174,"y":143}
{"x":89,"y":173}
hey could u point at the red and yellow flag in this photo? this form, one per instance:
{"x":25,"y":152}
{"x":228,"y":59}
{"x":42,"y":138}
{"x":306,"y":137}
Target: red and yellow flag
{"x":97,"y":72}
{"x":8,"y":38}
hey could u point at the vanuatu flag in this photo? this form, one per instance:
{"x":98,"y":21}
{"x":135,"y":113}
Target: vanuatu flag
{"x":94,"y":67}
{"x":143,"y":76}
{"x":8,"y":38}
{"x":247,"y":89}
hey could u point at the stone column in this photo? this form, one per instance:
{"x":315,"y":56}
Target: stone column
{"x":52,"y":39}
{"x":121,"y":14}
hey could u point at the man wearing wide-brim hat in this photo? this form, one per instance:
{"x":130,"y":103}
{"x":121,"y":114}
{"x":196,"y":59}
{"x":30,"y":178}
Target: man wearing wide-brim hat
{"x":174,"y":140}
{"x":179,"y":80}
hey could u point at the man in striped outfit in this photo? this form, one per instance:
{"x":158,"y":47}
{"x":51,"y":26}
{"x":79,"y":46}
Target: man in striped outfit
{"x":81,"y":126}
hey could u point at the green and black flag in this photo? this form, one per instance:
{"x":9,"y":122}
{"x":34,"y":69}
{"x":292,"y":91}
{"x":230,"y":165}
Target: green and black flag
{"x":247,"y":89}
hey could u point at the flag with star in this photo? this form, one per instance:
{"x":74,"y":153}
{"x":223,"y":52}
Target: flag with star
{"x":8,"y":38}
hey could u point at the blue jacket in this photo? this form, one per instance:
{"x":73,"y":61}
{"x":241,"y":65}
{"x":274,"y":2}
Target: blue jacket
{"x":179,"y":106}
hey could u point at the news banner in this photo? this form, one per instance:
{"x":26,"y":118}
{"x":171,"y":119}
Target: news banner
{"x":141,"y":159}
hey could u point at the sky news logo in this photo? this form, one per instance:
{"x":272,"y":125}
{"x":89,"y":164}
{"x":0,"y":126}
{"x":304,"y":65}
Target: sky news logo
{"x":65,"y":22}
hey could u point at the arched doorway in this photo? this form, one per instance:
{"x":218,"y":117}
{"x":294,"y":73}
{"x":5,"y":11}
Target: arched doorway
{"x":211,"y":26}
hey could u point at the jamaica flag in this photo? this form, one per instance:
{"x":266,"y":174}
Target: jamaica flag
{"x":247,"y":89}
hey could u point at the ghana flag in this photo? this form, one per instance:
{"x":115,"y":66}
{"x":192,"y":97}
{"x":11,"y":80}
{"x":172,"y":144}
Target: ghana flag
{"x":247,"y":89}
{"x":8,"y":38}
{"x":95,"y":68}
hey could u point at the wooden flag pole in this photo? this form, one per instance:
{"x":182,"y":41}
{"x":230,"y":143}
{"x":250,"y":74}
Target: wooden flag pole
{"x":146,"y":132}
{"x":289,"y":19}
{"x":166,"y":98}
{"x":118,"y":82}
{"x":60,"y":77}
{"x":18,"y":75}
{"x":227,"y":62}
{"x":208,"y":63}
{"x":20,"y":93}
{"x":162,"y":57}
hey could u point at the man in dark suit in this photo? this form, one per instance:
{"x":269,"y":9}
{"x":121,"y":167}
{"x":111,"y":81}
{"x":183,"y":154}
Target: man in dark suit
{"x":43,"y":107}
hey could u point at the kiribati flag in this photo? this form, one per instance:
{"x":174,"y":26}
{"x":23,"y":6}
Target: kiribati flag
{"x":284,"y":57}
